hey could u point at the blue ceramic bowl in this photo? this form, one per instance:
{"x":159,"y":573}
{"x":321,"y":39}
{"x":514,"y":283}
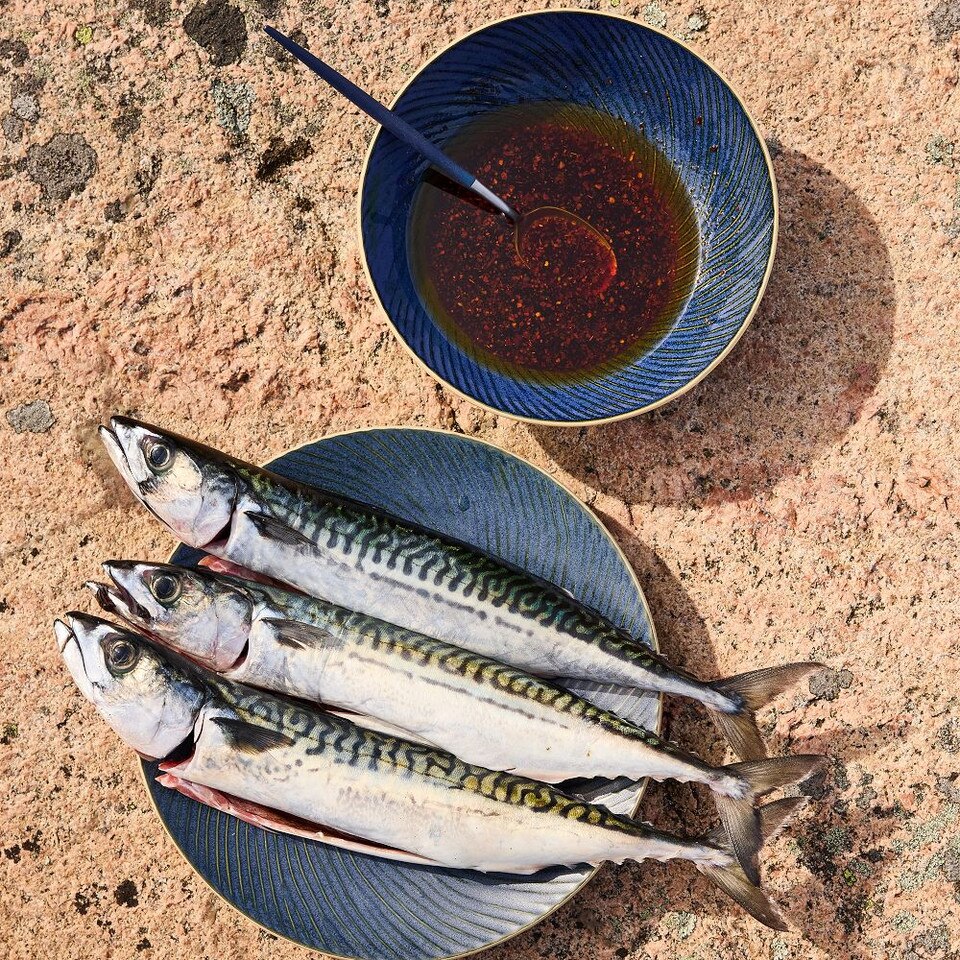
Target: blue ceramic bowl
{"x":645,"y":78}
{"x":352,"y":905}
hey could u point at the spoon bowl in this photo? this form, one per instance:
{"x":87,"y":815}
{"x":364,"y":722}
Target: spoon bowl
{"x":577,"y":254}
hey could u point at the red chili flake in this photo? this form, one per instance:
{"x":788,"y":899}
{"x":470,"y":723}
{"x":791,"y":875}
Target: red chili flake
{"x":553,"y":312}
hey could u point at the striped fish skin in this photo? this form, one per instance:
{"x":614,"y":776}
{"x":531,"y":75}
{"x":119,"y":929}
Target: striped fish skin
{"x":327,"y":770}
{"x":414,"y":798}
{"x":483,"y":711}
{"x":424,"y":583}
{"x":356,"y":557}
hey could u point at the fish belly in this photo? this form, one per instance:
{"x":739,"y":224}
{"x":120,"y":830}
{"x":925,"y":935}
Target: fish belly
{"x":478,"y":721}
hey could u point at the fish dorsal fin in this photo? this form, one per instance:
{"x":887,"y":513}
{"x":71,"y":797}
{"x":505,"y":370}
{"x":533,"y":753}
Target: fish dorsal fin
{"x":251,"y":737}
{"x":293,"y":633}
{"x":278,"y":822}
{"x":270,"y":526}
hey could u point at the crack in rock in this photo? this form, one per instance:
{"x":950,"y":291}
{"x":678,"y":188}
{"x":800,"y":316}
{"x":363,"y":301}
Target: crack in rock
{"x":279,"y":155}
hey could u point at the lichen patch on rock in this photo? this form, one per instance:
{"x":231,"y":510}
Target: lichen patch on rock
{"x":34,"y":417}
{"x":62,"y":166}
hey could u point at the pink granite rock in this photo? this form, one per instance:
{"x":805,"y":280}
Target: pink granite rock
{"x":189,"y":260}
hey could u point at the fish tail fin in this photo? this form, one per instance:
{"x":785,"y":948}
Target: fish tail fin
{"x":732,"y":879}
{"x":742,"y":820}
{"x":749,"y":692}
{"x":768,"y":774}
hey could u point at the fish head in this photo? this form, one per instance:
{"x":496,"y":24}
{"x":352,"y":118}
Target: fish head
{"x":200,"y":614}
{"x":150,"y":701}
{"x":187,"y":486}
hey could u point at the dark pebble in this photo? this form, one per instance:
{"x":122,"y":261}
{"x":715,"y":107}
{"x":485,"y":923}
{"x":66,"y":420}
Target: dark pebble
{"x":15,"y":51}
{"x":126,"y":894}
{"x":114,"y":212}
{"x":128,"y":123}
{"x":11,"y":240}
{"x":62,"y":165}
{"x":155,"y":12}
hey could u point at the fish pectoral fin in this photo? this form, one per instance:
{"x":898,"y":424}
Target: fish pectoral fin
{"x":251,"y":737}
{"x":278,"y":822}
{"x":293,"y":633}
{"x":271,"y":527}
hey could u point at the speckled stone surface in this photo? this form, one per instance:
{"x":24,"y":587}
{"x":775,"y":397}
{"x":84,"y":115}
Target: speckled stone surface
{"x":177,"y":241}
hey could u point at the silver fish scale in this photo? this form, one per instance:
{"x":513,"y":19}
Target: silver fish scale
{"x":346,"y":743}
{"x":360,"y":536}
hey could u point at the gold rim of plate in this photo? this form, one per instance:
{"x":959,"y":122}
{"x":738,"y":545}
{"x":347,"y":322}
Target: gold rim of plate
{"x":654,"y":641}
{"x":676,"y":393}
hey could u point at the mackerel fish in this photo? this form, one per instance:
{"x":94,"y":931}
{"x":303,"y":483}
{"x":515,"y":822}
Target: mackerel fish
{"x":356,"y":556}
{"x":286,"y":766}
{"x":483,"y":711}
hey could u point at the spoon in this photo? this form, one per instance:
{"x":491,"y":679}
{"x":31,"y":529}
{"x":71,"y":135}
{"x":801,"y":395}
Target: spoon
{"x":543,"y":236}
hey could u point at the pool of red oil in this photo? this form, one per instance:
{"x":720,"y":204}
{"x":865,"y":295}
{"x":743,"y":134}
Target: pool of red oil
{"x":560,"y":305}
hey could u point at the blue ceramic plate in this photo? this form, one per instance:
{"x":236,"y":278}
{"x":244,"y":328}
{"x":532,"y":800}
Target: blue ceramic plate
{"x":633,"y":73}
{"x":352,"y":905}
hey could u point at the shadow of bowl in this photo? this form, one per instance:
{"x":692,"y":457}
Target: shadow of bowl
{"x":792,"y":387}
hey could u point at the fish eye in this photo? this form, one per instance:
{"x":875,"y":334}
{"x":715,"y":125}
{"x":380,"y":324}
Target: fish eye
{"x":165,"y":588}
{"x":159,"y":455}
{"x":122,"y":655}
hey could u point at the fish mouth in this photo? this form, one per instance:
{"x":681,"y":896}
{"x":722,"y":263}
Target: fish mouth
{"x":118,"y":600}
{"x":123,"y":435}
{"x":115,"y":450}
{"x":70,"y":632}
{"x":64,"y":635}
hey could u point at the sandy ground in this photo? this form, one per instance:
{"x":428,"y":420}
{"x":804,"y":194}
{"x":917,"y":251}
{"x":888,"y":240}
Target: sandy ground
{"x":177,"y":241}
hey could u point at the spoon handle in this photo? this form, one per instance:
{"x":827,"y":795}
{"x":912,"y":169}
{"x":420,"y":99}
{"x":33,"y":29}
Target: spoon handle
{"x":390,"y":121}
